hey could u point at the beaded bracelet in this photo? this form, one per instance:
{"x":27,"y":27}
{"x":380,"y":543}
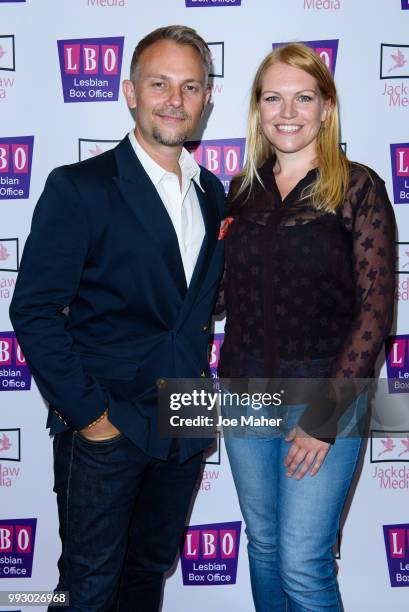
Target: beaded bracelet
{"x":99,"y":419}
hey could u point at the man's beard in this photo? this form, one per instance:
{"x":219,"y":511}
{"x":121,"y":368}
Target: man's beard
{"x":172,"y":140}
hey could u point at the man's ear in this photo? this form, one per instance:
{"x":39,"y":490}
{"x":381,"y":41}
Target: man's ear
{"x":128,"y":90}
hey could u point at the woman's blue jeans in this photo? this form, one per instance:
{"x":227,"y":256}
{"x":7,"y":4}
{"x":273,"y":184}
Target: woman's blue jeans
{"x":292,"y":525}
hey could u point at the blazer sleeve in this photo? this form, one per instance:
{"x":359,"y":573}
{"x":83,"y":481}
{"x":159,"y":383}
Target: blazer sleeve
{"x":48,"y":281}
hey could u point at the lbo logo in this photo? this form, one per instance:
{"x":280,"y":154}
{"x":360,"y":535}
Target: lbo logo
{"x":210,"y":554}
{"x":14,"y":373}
{"x":224,"y":158}
{"x":397,"y":363}
{"x":90,"y":68}
{"x":15,"y":167}
{"x":397,"y":553}
{"x":326,"y":49}
{"x":17,"y":538}
{"x":400,"y":172}
{"x":215,"y":345}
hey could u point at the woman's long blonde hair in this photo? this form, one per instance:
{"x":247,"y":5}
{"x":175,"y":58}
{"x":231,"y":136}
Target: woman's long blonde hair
{"x":328,"y":191}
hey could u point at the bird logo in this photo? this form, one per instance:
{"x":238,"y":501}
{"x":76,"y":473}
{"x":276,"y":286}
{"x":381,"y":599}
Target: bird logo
{"x":405,"y":443}
{"x":5,"y":443}
{"x":406,"y":265}
{"x":399,"y":60}
{"x":2,"y":52}
{"x":96,"y":151}
{"x":4,"y":254}
{"x":388,"y":444}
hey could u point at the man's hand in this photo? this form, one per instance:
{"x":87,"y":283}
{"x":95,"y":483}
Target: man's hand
{"x":104,"y":430}
{"x":305,"y":453}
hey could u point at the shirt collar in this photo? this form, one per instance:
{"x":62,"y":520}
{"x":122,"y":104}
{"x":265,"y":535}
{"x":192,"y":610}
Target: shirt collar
{"x":189,"y":167}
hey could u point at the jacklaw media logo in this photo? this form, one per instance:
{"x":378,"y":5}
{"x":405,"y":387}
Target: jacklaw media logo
{"x":7,"y":64}
{"x":9,"y":255}
{"x":7,"y":52}
{"x":223,"y":157}
{"x":14,"y":372}
{"x":217,"y":51}
{"x":326,"y":49}
{"x":389,"y":451}
{"x":88,"y":148}
{"x":394,"y":65}
{"x":17,"y":540}
{"x":10,"y":453}
{"x":397,"y":553}
{"x":389,"y":447}
{"x":91,"y":68}
{"x":210,"y":554}
{"x":9,"y":262}
{"x":16,"y":155}
{"x":402,"y":272}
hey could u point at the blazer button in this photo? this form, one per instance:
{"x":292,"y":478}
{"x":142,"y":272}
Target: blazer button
{"x":205,"y":327}
{"x":161,"y":383}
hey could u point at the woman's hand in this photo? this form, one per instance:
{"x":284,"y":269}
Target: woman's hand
{"x":305,"y":453}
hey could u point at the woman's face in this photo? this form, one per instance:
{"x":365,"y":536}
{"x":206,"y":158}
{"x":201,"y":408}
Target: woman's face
{"x":291,"y":109}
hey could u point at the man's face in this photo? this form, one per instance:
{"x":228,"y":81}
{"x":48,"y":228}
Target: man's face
{"x":169,"y":94}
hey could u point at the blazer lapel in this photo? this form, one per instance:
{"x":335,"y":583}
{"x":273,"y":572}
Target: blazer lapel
{"x":211,"y":219}
{"x":142,"y":197}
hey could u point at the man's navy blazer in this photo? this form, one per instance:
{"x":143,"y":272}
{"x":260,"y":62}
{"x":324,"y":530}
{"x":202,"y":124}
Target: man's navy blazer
{"x":102,"y":243}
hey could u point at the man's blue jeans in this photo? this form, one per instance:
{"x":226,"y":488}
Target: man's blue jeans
{"x":292,"y":525}
{"x":122,"y":515}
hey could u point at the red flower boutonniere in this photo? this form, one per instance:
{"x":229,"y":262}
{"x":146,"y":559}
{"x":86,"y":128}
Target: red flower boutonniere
{"x":224,"y":227}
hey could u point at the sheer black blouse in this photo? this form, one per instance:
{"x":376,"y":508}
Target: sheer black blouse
{"x":301,"y":284}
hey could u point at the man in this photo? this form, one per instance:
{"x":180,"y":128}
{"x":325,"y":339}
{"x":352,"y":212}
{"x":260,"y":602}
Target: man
{"x":127,"y":240}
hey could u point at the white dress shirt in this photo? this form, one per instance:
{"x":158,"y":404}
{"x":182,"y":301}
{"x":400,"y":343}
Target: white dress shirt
{"x":182,"y":204}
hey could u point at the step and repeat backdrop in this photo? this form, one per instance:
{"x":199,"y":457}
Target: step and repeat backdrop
{"x":56,"y":108}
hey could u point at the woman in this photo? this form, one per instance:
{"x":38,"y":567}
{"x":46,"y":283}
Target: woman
{"x":309,"y":292}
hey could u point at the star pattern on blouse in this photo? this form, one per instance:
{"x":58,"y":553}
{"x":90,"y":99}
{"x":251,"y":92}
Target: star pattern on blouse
{"x":320,"y":289}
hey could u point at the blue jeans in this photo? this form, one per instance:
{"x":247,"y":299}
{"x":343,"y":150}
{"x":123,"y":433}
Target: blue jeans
{"x":122,"y":516}
{"x":292,"y":525}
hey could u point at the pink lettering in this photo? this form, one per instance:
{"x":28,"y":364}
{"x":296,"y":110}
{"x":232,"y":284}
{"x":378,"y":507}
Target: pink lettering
{"x":191,"y":548}
{"x":228,"y":543}
{"x":20,"y":359}
{"x":23,"y":539}
{"x":326,"y":55}
{"x":213,"y":159}
{"x":110,"y":59}
{"x":72,"y":59}
{"x":6,"y":538}
{"x":209,"y":543}
{"x":402,"y":161}
{"x":5,"y":351}
{"x":90,"y":55}
{"x":397,"y":353}
{"x":20,"y":158}
{"x":397,"y":543}
{"x":4,"y":157}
